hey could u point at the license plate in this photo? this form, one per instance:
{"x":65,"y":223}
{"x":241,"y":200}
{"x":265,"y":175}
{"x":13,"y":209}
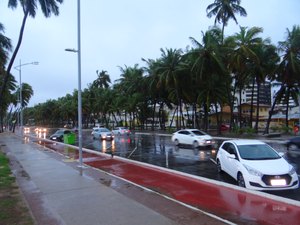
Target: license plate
{"x":278,"y":182}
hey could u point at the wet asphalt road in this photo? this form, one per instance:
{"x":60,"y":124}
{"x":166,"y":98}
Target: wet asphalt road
{"x":159,"y":150}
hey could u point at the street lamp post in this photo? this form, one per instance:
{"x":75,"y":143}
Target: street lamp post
{"x":78,"y":51}
{"x":19,"y":68}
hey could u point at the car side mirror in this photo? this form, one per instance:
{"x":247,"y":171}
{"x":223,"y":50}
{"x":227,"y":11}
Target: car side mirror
{"x":232,"y":156}
{"x":281,"y":154}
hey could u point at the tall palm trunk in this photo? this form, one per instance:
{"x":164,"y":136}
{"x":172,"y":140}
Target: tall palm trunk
{"x":287,"y":109}
{"x":153,"y":116}
{"x":11,"y":62}
{"x":240,"y":108}
{"x":205,"y":117}
{"x":277,"y":97}
{"x":257,"y":108}
{"x":173,"y":118}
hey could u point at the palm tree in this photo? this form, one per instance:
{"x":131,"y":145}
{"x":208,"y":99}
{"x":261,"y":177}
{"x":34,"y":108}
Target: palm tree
{"x":209,"y":70}
{"x":5,"y":47}
{"x":27,"y":93}
{"x":29,"y":9}
{"x":262,"y":69}
{"x":172,"y":73}
{"x":288,"y":71}
{"x":129,"y":85}
{"x":224,"y":10}
{"x":241,"y":57}
{"x":103,"y":79}
{"x":8,"y":97}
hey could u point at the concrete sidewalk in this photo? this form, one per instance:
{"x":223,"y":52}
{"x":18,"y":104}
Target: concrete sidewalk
{"x":57,"y":194}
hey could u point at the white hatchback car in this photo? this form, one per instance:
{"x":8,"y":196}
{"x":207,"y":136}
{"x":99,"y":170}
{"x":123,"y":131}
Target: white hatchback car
{"x":256,"y":165}
{"x":102,"y":133}
{"x":193,"y":137}
{"x":121,"y":131}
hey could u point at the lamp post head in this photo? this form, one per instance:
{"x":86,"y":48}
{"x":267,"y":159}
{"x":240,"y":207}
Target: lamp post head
{"x":71,"y":50}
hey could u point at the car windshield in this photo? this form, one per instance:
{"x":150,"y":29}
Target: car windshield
{"x":59,"y":132}
{"x":198,"y":132}
{"x":257,"y":152}
{"x":104,"y":130}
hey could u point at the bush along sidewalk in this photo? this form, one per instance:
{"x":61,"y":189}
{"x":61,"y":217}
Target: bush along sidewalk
{"x":13,"y":209}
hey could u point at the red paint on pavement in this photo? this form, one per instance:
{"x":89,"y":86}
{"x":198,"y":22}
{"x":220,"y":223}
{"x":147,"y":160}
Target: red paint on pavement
{"x":231,"y":204}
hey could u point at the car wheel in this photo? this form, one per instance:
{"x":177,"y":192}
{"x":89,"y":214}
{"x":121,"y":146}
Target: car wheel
{"x":176,"y":142}
{"x":292,"y":147}
{"x":240,"y":180}
{"x":219,"y":167}
{"x":195,"y":144}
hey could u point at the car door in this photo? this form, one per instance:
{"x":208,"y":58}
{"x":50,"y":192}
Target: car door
{"x":184,"y":137}
{"x":96,"y":133}
{"x":227,"y":160}
{"x":232,"y":160}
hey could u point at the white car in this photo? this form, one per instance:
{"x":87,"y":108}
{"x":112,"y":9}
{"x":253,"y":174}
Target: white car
{"x":102,"y":133}
{"x":121,"y":131}
{"x":256,"y":165}
{"x":193,"y":137}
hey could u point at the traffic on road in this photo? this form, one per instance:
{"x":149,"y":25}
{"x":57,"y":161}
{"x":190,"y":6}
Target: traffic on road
{"x":159,"y":150}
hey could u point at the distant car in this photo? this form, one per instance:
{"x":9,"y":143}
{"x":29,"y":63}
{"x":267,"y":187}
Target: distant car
{"x":293,"y":146}
{"x":59,"y":135}
{"x":192,"y":137}
{"x":26,"y":130}
{"x":256,"y":165}
{"x":121,"y":131}
{"x":224,"y":127}
{"x":102,"y":133}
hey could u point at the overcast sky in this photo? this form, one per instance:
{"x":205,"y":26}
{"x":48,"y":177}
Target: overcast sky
{"x":118,"y":33}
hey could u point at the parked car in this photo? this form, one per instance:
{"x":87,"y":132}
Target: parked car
{"x":59,"y":135}
{"x":102,"y":133}
{"x":256,"y":165}
{"x":121,"y":131}
{"x":293,"y":146}
{"x":224,"y":127}
{"x":193,"y":137}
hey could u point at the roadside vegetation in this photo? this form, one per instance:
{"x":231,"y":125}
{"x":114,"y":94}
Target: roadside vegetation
{"x":193,"y":82}
{"x":13,"y":210}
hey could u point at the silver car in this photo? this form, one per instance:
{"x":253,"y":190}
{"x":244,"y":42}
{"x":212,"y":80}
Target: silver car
{"x":192,"y":137}
{"x":121,"y":131}
{"x":102,"y":133}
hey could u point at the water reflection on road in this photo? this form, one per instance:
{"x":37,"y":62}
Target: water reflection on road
{"x":160,"y":151}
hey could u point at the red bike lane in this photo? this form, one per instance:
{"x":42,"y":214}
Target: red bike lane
{"x":226,"y":201}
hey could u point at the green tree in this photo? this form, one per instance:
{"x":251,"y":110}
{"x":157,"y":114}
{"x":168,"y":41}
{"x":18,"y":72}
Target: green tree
{"x":288,"y":72}
{"x":103,"y":80}
{"x":158,"y":93}
{"x":171,"y":72}
{"x":29,"y":8}
{"x":261,"y":70}
{"x":209,"y":71}
{"x":224,"y":10}
{"x":27,"y":93}
{"x":5,"y":48}
{"x":131,"y":88}
{"x":241,"y":56}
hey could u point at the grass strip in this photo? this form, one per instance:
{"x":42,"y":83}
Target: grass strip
{"x":13,"y":210}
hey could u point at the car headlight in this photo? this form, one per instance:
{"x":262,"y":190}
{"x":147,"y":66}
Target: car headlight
{"x":292,"y":171}
{"x":253,"y":171}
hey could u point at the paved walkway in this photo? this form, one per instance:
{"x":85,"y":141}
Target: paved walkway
{"x":102,"y":198}
{"x":58,"y":194}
